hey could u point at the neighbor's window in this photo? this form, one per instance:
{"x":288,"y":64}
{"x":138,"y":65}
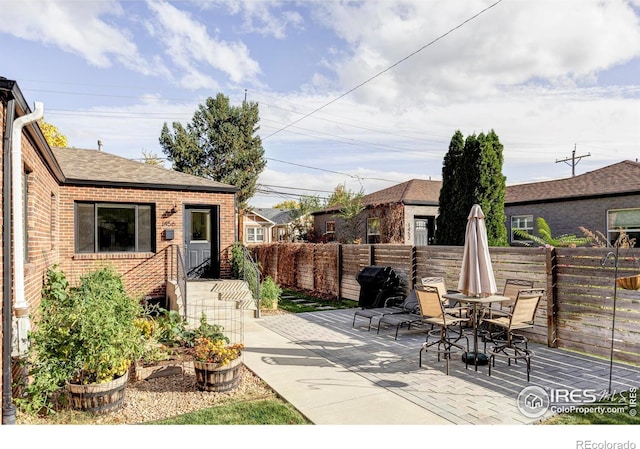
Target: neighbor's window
{"x":107,"y":227}
{"x":255,"y":234}
{"x":282,"y":234}
{"x":524,"y":222}
{"x":373,"y":230}
{"x":331,"y":227}
{"x":627,"y":220}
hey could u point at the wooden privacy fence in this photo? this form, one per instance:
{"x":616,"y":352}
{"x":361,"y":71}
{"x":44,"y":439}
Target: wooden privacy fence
{"x":576,"y":312}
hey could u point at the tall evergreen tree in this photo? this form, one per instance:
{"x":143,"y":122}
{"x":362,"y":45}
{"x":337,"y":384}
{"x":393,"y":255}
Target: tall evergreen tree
{"x":447,"y":223}
{"x":220,"y":144}
{"x":492,"y":188}
{"x":475,"y":178}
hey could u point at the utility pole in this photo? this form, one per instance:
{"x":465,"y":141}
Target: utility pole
{"x":574,"y":160}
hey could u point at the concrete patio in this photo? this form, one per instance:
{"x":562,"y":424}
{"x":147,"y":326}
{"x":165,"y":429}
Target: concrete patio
{"x":338,"y":374}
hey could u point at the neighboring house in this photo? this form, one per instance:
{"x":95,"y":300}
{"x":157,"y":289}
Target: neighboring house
{"x":404,"y":213}
{"x":603,"y":200}
{"x":84,"y":208}
{"x":269,"y":225}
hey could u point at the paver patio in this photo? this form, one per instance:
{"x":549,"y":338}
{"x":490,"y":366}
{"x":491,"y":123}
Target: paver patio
{"x":463,"y":397}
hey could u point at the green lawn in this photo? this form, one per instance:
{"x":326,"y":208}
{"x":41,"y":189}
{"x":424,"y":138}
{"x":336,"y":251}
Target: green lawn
{"x":266,"y":411}
{"x":295,"y":307}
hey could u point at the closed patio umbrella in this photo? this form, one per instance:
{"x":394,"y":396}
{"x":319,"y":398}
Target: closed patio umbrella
{"x":476,"y":274}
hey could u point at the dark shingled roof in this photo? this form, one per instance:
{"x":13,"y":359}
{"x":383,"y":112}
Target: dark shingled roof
{"x":98,"y":168}
{"x":415,"y":192}
{"x":276,"y":216}
{"x":617,"y":179}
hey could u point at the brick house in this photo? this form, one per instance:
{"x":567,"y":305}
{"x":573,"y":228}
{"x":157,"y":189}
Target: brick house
{"x":601,"y":200}
{"x":404,"y":213}
{"x":83,"y":208}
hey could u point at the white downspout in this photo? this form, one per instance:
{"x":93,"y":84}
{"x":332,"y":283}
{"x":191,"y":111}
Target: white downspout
{"x":21,"y":307}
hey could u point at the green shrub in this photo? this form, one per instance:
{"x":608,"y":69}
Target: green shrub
{"x":270,"y":293}
{"x":82,"y":334}
{"x":236,"y":260}
{"x":172,"y":330}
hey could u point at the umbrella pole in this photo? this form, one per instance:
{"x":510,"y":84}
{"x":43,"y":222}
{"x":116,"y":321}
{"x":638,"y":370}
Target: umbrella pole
{"x":613,"y":319}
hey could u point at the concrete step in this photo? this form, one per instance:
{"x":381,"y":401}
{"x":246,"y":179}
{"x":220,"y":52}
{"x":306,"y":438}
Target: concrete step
{"x":222,"y":302}
{"x":223,"y":290}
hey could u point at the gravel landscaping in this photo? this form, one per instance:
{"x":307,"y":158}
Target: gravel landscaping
{"x":165,"y":397}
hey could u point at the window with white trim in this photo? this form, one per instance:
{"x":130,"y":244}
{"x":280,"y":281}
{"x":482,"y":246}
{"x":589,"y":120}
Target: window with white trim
{"x":330,"y":227}
{"x":627,"y":220}
{"x":114,"y":227}
{"x":524,"y":222}
{"x":373,"y":230}
{"x":255,"y":234}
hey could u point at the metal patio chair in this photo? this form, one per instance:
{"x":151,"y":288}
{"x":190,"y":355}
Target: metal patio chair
{"x":507,"y":342}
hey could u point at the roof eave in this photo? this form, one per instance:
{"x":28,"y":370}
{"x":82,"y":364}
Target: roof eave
{"x":570,"y":198}
{"x":13,"y":91}
{"x":420,"y":203}
{"x":154,"y":186}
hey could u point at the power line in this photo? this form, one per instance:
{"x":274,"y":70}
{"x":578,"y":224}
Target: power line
{"x":295,"y":188}
{"x":357,"y":177}
{"x":387,"y":69}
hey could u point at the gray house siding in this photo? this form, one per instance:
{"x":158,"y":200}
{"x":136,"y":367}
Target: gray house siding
{"x":566,"y":216}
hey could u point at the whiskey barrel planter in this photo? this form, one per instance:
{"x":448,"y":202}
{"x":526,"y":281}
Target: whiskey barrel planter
{"x":98,"y":398}
{"x":213,"y":377}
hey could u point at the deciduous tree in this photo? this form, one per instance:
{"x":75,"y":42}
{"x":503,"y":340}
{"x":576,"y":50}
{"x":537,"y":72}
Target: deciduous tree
{"x":52,"y":134}
{"x":220,"y":143}
{"x":350,"y":206}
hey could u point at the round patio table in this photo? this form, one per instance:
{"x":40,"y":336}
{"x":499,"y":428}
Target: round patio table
{"x":476,"y":302}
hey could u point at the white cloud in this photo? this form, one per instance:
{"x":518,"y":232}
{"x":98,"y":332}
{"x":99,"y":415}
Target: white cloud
{"x":82,"y":28}
{"x":268,"y":18}
{"x":193,"y":50}
{"x":560,"y":43}
{"x":529,"y":70}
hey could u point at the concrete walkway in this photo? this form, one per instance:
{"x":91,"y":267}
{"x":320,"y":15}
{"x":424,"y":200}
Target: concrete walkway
{"x":323,"y":391}
{"x":334,"y":373}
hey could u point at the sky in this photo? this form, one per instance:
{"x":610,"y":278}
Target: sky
{"x":365,"y":94}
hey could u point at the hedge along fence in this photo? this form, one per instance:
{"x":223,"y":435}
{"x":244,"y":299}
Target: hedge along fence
{"x":575,"y":313}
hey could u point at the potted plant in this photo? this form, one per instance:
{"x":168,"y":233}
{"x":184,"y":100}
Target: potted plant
{"x":270,"y":293}
{"x":217,"y":363}
{"x":85,"y":338}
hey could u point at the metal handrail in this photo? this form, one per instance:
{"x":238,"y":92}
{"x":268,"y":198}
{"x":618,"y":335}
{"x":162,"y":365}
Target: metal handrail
{"x":251,"y":272}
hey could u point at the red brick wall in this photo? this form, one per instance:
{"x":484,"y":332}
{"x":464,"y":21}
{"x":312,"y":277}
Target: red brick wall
{"x":42,"y":218}
{"x":42,"y":222}
{"x":144,"y":273}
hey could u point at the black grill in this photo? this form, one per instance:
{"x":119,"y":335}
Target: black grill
{"x":377,"y":284}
